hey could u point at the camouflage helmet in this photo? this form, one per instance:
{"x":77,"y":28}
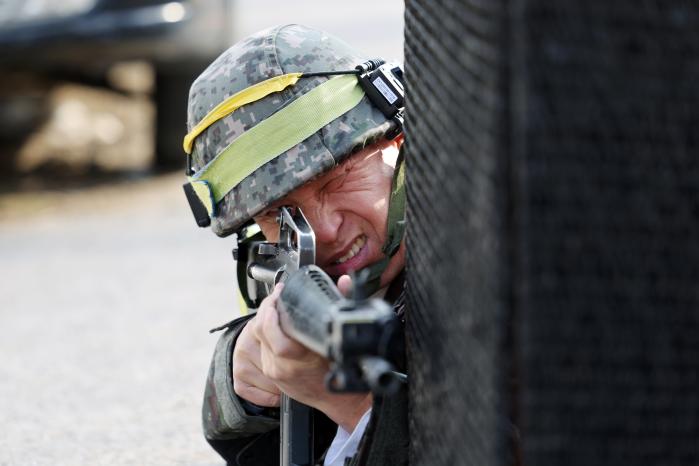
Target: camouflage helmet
{"x":266,"y":54}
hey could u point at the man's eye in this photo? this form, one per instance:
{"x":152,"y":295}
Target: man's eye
{"x":336,"y":183}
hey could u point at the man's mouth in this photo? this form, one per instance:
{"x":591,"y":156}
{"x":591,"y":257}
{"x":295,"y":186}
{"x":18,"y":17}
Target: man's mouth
{"x":353,"y":250}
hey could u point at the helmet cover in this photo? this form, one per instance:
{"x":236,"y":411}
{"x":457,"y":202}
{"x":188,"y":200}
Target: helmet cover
{"x":273,"y":52}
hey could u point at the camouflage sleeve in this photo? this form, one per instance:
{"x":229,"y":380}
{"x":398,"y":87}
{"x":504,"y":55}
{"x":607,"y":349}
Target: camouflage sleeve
{"x":223,"y":415}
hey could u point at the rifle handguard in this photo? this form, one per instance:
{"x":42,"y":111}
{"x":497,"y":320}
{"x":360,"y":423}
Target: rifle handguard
{"x":351,"y":334}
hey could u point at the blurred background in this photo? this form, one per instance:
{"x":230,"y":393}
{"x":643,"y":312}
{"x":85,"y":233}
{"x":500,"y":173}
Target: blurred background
{"x":107,"y":286}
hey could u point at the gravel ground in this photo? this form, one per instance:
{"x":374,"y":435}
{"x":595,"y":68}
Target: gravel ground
{"x":106,"y":297}
{"x":107,"y":293}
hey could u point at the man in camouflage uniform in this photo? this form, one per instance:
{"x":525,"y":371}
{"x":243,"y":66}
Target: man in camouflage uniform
{"x":340,"y":176}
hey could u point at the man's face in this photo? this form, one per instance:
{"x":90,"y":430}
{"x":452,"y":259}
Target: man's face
{"x":347,"y":209}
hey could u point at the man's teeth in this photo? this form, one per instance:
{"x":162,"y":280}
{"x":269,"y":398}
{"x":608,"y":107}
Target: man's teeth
{"x":353,"y":250}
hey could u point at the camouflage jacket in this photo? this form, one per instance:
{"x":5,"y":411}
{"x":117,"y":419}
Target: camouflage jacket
{"x":244,"y":438}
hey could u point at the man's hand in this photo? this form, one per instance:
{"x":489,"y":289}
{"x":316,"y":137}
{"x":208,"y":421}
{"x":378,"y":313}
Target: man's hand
{"x":294,"y":369}
{"x":266,"y":361}
{"x":249,"y":381}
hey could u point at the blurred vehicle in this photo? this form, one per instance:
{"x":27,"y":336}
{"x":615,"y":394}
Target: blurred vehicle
{"x":82,"y":40}
{"x":45,"y":43}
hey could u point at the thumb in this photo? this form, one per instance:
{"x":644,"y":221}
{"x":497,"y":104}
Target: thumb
{"x":344,"y":284}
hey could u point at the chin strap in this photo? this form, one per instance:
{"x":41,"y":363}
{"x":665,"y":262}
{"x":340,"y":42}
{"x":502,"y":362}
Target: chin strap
{"x":395,"y":227}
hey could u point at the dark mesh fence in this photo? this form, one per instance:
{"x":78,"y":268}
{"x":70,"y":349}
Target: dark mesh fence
{"x":456,"y":238}
{"x":553,"y":192}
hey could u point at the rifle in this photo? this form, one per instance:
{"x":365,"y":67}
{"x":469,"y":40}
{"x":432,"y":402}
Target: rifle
{"x":361,"y":337}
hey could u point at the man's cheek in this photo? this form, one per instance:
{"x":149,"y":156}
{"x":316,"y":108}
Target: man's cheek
{"x":269,"y":229}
